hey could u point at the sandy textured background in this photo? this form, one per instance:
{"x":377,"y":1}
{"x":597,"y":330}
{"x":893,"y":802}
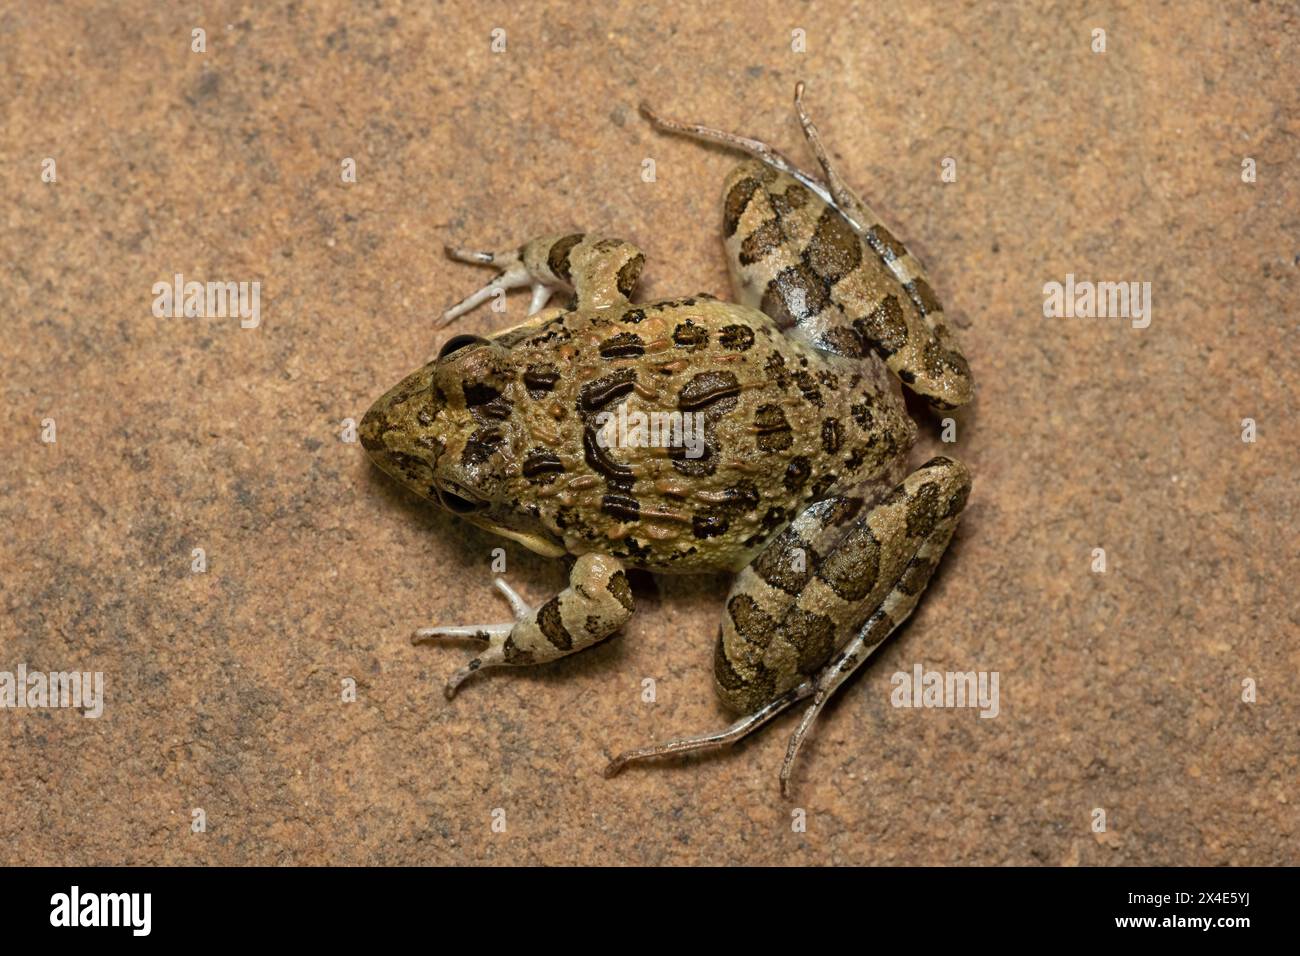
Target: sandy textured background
{"x":1120,"y":691}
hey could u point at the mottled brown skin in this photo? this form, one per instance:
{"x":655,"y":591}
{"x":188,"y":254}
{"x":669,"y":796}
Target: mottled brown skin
{"x":505,"y":428}
{"x":802,"y":488}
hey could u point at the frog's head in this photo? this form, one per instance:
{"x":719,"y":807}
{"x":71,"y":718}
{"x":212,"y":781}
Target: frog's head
{"x":445,"y":433}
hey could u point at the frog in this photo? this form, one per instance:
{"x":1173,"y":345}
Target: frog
{"x":797,"y":484}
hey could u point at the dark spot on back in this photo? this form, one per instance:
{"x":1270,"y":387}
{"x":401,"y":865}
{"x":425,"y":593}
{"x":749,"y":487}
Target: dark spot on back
{"x":500,"y":408}
{"x":540,"y":379}
{"x":796,"y":474}
{"x":622,"y":507}
{"x":542,"y":465}
{"x":773,"y":430}
{"x":808,"y":386}
{"x":481,"y":445}
{"x":708,"y":524}
{"x":600,"y":392}
{"x":775,"y":369}
{"x":709,"y":389}
{"x":615,"y":474}
{"x":701,"y":467}
{"x":623,"y":345}
{"x":688,"y":335}
{"x":832,"y":435}
{"x":479,"y":393}
{"x":736,"y":338}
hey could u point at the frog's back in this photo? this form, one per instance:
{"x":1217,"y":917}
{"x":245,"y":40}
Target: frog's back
{"x":681,"y":435}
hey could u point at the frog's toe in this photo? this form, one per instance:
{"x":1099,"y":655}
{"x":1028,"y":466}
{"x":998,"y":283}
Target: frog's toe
{"x":459,"y":677}
{"x":716,"y":740}
{"x":494,"y":655}
{"x":495,"y":636}
{"x":513,"y":273}
{"x":476,"y":257}
{"x":479,"y":632}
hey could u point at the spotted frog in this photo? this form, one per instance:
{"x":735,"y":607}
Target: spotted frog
{"x":797,"y":482}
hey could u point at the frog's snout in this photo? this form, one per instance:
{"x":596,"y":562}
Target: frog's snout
{"x":369,"y":430}
{"x":389,"y":441}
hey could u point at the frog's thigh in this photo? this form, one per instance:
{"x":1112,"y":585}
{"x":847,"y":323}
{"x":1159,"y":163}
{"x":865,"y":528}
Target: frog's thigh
{"x":761,"y":595}
{"x":815,"y":586}
{"x":801,"y":261}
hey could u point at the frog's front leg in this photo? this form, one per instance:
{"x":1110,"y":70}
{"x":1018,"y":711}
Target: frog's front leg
{"x":820,"y":598}
{"x":602,"y":272}
{"x":597,"y":602}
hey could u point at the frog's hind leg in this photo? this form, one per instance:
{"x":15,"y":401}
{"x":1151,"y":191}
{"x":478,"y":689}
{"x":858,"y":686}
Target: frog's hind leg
{"x":761,"y":595}
{"x":837,"y":288}
{"x":925,"y":507}
{"x":597,"y":602}
{"x":865,"y":584}
{"x":601,"y":272}
{"x":912,"y":337}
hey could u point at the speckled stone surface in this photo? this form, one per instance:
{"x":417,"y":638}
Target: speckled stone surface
{"x":1120,"y":691}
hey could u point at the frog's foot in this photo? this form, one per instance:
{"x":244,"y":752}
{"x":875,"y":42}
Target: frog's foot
{"x":832,"y":190}
{"x":714,"y":741}
{"x":819,"y":689}
{"x":597,"y":602}
{"x":495,"y":636}
{"x":514,"y":274}
{"x":746,"y":144}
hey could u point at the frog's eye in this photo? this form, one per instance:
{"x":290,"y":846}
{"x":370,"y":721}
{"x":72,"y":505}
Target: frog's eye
{"x":458,"y":342}
{"x":457,"y":503}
